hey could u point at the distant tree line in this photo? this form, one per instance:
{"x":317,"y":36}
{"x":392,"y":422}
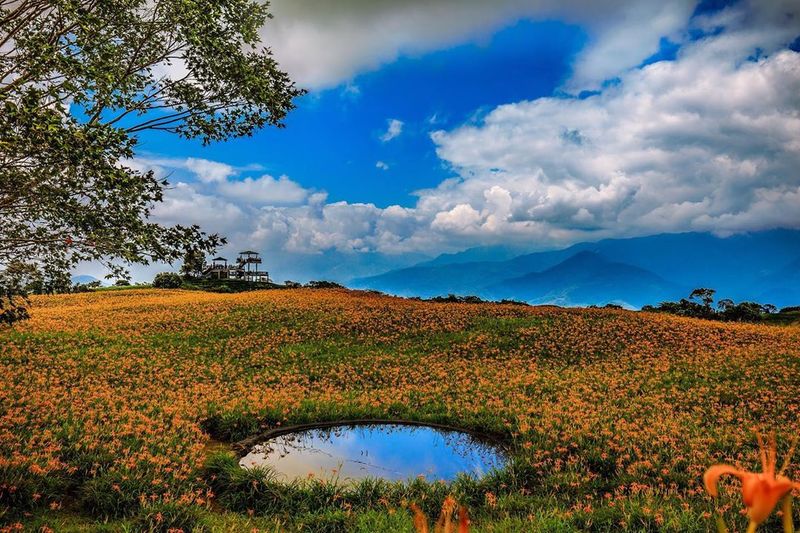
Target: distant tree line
{"x":467,"y":299}
{"x":700,"y":304}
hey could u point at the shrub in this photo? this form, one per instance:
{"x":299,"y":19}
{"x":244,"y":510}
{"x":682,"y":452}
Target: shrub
{"x":86,"y":287}
{"x":514,"y":302}
{"x":167,"y":280}
{"x":454,"y":299}
{"x":324,"y":285}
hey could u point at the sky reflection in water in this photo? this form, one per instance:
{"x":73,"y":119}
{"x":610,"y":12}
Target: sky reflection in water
{"x":389,"y":451}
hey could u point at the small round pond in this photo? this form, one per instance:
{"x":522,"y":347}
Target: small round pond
{"x":389,"y":451}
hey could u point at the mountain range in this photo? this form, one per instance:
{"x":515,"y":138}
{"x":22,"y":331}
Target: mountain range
{"x":761,"y":266}
{"x":83,"y":279}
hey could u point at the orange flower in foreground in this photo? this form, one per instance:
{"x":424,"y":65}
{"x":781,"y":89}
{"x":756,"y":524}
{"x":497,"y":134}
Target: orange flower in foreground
{"x":760,"y":491}
{"x":444,"y":524}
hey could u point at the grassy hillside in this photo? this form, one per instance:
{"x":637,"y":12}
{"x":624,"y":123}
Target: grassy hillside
{"x":114,"y":407}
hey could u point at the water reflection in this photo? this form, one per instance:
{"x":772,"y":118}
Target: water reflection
{"x":389,"y":451}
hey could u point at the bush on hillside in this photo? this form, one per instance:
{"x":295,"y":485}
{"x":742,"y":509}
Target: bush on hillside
{"x":87,"y":287}
{"x":324,"y":285}
{"x":167,"y":280}
{"x":454,"y":299}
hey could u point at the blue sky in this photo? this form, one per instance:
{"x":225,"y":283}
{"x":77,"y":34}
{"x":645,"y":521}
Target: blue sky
{"x":432,"y":127}
{"x":332,"y":141}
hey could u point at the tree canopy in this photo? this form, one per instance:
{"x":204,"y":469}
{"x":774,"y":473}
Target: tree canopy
{"x":727,"y":309}
{"x":194,"y":262}
{"x":79,"y":81}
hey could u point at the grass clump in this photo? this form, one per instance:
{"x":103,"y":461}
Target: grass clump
{"x":170,"y":517}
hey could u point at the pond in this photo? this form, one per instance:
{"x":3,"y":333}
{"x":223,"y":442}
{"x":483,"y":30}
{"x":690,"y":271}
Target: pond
{"x":388,"y":451}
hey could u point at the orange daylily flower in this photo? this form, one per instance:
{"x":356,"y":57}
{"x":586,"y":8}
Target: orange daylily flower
{"x":760,"y":491}
{"x":444,"y":524}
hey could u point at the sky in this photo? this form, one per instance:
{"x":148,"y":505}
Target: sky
{"x":435,"y":126}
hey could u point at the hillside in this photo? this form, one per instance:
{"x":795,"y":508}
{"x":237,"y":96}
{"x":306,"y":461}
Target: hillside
{"x":586,"y":278}
{"x":117,"y":408}
{"x":757,"y":266}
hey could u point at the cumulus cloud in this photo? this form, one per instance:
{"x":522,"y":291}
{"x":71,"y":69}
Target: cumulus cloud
{"x":209,"y":171}
{"x":323,"y":43}
{"x":382,"y":165}
{"x":394,"y":129}
{"x":265,"y":190}
{"x":701,"y":143}
{"x":707,"y":142}
{"x":204,"y":170}
{"x":184,"y":204}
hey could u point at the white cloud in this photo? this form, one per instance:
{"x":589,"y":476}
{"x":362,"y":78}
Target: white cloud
{"x":707,"y":142}
{"x":381,"y":165}
{"x":265,"y":190}
{"x":209,"y":171}
{"x":323,"y":44}
{"x":184,"y":204}
{"x":204,"y":170}
{"x":214,"y":178}
{"x":462,"y":218}
{"x":394,"y":129}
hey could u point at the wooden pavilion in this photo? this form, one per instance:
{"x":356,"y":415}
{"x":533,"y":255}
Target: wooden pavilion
{"x":245,"y":268}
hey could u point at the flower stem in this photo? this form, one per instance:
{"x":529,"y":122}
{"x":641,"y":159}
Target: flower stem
{"x":788,"y":523}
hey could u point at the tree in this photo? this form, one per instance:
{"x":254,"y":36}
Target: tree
{"x":725,"y":305}
{"x":744,"y":312}
{"x":79,"y":81}
{"x":167,"y":280}
{"x":706,"y":296}
{"x":194,"y":262}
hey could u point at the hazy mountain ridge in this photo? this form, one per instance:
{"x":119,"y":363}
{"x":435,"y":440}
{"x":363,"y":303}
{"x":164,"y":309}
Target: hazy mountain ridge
{"x":83,"y":278}
{"x":588,"y":278}
{"x":760,"y":266}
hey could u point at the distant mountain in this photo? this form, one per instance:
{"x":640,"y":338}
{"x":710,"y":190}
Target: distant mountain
{"x":478,"y":254}
{"x":83,"y":278}
{"x":588,"y":278}
{"x":782,"y":286}
{"x":428,"y":280}
{"x":335,"y":266}
{"x":733,"y":265}
{"x":757,"y":266}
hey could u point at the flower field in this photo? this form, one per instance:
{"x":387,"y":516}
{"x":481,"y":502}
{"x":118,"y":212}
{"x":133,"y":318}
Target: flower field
{"x":115,"y":408}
